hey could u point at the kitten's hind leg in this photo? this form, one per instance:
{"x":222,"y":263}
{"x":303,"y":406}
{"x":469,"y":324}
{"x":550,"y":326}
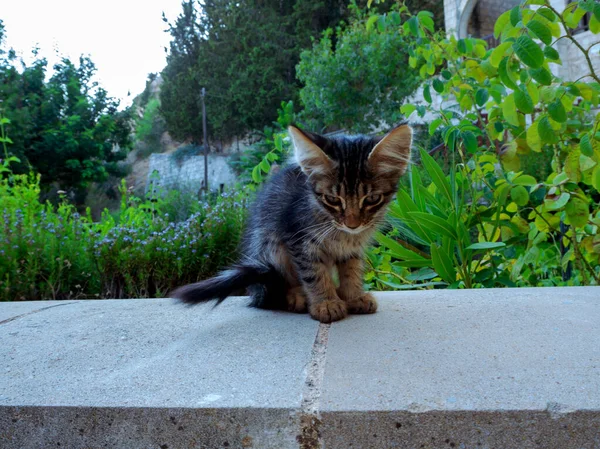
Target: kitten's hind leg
{"x":351,"y":287}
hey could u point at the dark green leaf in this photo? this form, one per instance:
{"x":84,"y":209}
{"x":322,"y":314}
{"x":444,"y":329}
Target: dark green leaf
{"x":515,"y":16}
{"x":551,"y":53}
{"x":437,"y":175}
{"x":481,"y":96}
{"x":438,"y":85}
{"x":523,"y":101}
{"x":541,"y":75}
{"x":436,"y":224}
{"x":541,"y":31}
{"x":427,"y":93}
{"x":486,"y":245}
{"x":446,"y":74}
{"x":546,"y":131}
{"x":586,"y":146}
{"x":529,"y":52}
{"x":443,"y":264}
{"x":557,"y":111}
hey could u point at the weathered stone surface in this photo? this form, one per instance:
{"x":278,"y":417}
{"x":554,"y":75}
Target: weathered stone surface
{"x":438,"y":365}
{"x":225,"y":369}
{"x":510,"y":369}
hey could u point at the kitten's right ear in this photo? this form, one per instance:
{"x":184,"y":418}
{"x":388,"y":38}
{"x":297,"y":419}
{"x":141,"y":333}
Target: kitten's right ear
{"x":311,"y":158}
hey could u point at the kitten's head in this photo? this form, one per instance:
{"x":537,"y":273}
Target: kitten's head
{"x":353,"y":178}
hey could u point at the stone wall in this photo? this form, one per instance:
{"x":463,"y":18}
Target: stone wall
{"x":485,"y":14}
{"x":189,"y":172}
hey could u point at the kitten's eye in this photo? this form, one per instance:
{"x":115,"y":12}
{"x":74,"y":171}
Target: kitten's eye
{"x":373,"y":199}
{"x":332,"y":200}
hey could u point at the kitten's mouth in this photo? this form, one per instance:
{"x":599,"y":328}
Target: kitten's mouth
{"x":345,"y":228}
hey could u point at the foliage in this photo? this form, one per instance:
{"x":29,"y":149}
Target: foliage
{"x":147,"y":248}
{"x":66,"y":128}
{"x":488,"y":223}
{"x":271,"y":147}
{"x":355,"y":77}
{"x":149,"y":129}
{"x":244,"y":54}
{"x":50,"y":252}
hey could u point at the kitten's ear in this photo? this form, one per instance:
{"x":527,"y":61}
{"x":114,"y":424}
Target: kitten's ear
{"x":391,"y":155}
{"x":309,"y":156}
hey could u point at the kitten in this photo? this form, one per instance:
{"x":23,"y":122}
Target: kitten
{"x":311,"y":216}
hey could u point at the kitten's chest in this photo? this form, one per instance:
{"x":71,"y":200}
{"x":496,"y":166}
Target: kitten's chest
{"x":344,"y":246}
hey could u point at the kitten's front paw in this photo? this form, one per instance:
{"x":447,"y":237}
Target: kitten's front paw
{"x":329,"y":310}
{"x":366,"y":303}
{"x":296,"y":300}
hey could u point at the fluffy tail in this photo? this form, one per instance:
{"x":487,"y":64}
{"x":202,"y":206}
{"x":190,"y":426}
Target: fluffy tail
{"x":268,"y":282}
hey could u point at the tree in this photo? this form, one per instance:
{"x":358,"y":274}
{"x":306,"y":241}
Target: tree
{"x":66,"y":128}
{"x":244,"y":53}
{"x":355,"y":77}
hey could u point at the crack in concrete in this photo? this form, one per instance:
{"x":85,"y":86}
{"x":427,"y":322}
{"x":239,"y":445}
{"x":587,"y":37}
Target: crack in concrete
{"x":310,"y":436}
{"x":8,"y":320}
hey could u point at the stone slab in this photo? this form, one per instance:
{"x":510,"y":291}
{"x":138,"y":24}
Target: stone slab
{"x":476,"y":368}
{"x":156,"y":354}
{"x":12,"y":310}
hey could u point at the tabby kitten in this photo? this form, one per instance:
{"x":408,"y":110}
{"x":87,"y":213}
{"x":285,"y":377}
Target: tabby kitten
{"x":314,"y":215}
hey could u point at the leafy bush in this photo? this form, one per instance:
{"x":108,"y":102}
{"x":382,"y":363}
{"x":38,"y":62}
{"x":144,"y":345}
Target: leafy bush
{"x":49,"y":252}
{"x":355,"y":77}
{"x":489,"y":222}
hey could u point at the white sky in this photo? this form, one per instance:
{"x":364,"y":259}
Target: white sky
{"x":124,"y":38}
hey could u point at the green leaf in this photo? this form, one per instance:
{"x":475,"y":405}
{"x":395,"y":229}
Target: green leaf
{"x":256,"y":177}
{"x":264,"y":165}
{"x":541,"y":31}
{"x":515,"y":16}
{"x":551,"y":53}
{"x":427,"y":93}
{"x":509,"y":110}
{"x":529,"y":52}
{"x":586,"y":146}
{"x":434,"y":125}
{"x":446,"y":74}
{"x":578,"y":212}
{"x":498,"y":53}
{"x":519,"y":195}
{"x":546,"y":131}
{"x":437,"y":175}
{"x":486,"y":245}
{"x":462,"y":46}
{"x":396,"y":249}
{"x":596,"y":178}
{"x":413,"y":26}
{"x":481,"y":96}
{"x":506,"y":75}
{"x":443,"y":264}
{"x":436,"y":224}
{"x":524,"y":180}
{"x":371,"y":21}
{"x":562,"y":200}
{"x":541,"y":75}
{"x":557,"y":111}
{"x":438,"y":85}
{"x":470,"y":141}
{"x":501,"y":23}
{"x":547,"y":13}
{"x":407,"y":109}
{"x":523,"y":101}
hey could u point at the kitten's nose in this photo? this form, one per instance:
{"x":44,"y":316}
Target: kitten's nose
{"x":352,"y":222}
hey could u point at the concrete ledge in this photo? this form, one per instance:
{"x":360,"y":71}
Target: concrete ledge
{"x":510,"y":368}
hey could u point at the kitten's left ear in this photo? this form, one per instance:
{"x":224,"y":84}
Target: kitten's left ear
{"x":391,"y":155}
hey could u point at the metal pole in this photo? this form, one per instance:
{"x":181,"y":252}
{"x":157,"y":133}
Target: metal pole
{"x":205,"y":141}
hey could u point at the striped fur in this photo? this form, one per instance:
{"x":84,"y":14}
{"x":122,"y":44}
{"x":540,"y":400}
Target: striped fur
{"x":312,"y":217}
